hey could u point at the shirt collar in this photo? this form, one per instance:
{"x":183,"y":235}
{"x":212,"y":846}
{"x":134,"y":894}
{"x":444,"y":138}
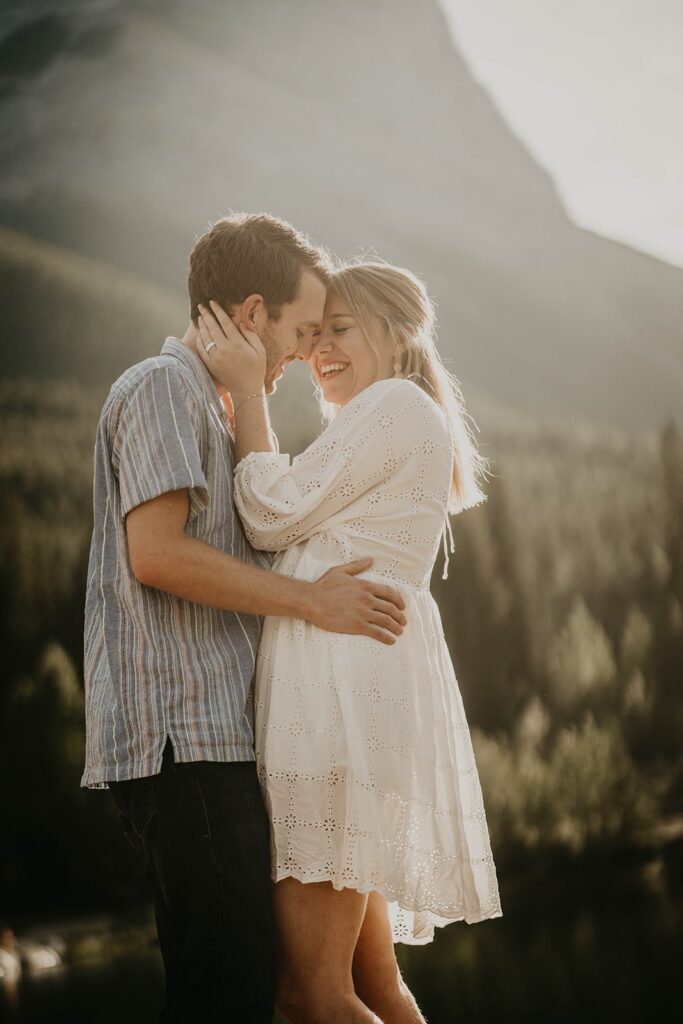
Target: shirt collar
{"x":174,"y":347}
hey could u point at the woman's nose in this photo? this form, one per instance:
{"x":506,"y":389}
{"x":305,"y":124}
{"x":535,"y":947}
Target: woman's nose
{"x":324,"y":343}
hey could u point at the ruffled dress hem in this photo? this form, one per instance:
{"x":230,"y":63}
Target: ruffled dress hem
{"x":406,"y":906}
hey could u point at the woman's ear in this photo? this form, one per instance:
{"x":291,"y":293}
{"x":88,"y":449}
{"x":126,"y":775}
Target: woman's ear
{"x":253,"y":312}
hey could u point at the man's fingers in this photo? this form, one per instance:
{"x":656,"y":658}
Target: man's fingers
{"x":386,"y":622}
{"x":387,"y":608}
{"x":388,"y":594}
{"x":360,"y":565}
{"x":378,"y":634}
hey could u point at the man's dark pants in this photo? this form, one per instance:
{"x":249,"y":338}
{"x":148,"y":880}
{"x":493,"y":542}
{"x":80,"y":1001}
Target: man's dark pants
{"x":204,"y":834}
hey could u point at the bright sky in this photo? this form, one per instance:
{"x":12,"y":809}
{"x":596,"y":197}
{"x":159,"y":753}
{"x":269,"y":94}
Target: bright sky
{"x":594,"y":88}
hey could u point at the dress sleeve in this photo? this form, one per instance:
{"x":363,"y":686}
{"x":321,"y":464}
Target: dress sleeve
{"x":282,"y":502}
{"x":155,"y":446}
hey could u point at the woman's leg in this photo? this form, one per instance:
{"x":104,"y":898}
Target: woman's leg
{"x":376,"y":975}
{"x":317,"y":930}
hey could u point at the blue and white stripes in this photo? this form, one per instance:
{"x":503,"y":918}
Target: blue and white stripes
{"x":156,"y":665}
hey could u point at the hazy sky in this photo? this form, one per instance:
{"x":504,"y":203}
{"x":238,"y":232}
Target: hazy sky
{"x":594,"y":88}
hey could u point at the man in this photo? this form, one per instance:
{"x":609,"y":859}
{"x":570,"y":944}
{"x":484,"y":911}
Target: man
{"x":173,"y":614}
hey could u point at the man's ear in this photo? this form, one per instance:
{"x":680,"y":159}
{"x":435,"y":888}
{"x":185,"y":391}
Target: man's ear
{"x":252,"y":312}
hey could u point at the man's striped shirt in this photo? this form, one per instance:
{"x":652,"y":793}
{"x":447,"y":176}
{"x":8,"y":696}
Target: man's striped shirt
{"x":156,"y":665}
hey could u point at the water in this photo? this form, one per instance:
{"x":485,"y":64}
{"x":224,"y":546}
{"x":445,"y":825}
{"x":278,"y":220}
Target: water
{"x":616,"y":958}
{"x":577,"y":950}
{"x":125,"y":988}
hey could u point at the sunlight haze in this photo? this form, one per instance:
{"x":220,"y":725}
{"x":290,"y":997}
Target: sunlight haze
{"x":595,"y":91}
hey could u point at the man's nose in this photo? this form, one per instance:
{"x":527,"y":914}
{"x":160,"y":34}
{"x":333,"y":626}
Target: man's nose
{"x":304,"y":349}
{"x":307,"y":345}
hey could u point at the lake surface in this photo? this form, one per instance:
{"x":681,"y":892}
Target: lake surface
{"x":581,"y":950}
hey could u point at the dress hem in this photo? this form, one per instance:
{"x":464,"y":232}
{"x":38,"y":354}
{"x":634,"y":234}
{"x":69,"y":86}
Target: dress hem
{"x":440,"y":920}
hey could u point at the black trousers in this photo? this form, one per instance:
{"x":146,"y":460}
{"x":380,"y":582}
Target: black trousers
{"x":203,"y":831}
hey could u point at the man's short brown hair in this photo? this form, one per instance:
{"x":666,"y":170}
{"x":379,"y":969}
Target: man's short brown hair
{"x":251,"y":254}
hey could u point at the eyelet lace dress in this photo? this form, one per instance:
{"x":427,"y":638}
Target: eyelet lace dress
{"x":363,"y":749}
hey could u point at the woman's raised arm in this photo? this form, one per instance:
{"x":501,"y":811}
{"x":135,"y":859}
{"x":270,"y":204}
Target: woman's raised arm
{"x":282,"y":502}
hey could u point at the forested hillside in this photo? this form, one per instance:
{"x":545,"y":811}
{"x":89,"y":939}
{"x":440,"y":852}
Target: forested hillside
{"x":563,"y":612}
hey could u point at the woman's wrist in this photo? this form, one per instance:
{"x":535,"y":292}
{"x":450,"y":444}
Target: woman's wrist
{"x":240,"y":397}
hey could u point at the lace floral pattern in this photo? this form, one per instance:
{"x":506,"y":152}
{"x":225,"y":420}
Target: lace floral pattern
{"x":363,"y":750}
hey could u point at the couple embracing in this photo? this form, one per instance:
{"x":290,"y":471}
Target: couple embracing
{"x":269,"y":695}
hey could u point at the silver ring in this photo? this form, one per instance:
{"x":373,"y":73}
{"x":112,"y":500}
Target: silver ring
{"x":211,"y":345}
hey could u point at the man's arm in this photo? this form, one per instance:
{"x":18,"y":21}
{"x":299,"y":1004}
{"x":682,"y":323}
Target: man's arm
{"x":163,"y":556}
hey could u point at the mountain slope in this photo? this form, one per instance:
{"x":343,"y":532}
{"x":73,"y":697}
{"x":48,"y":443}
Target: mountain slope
{"x":361,"y":124}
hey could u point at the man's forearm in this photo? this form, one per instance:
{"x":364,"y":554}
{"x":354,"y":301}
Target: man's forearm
{"x":195,"y":571}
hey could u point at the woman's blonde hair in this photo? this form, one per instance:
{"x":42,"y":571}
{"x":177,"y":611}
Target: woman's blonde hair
{"x":376,"y":290}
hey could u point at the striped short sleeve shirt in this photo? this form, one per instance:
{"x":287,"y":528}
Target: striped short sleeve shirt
{"x":157,"y":666}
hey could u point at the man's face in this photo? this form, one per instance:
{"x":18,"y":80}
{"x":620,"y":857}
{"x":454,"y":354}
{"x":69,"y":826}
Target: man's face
{"x":292,"y":336}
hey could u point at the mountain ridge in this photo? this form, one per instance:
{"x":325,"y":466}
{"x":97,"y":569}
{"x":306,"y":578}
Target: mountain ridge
{"x":364,"y":130}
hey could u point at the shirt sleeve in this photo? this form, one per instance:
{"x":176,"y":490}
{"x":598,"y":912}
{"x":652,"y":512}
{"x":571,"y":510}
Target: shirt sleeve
{"x":156,"y":446}
{"x":282,"y":502}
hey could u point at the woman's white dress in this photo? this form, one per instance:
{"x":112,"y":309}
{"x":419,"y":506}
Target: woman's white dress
{"x":363,"y":749}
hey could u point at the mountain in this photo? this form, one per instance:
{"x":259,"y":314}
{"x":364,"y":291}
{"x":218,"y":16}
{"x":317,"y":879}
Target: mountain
{"x":69,"y":317}
{"x":128,"y":127}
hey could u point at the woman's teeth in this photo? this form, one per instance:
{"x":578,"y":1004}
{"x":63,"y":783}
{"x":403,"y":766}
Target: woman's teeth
{"x":332,"y":369}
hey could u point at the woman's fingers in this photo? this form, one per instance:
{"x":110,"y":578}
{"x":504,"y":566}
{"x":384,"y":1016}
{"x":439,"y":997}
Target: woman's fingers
{"x":228,"y":355}
{"x":223,"y":322}
{"x":213,"y":328}
{"x":232,"y":332}
{"x":204,"y":337}
{"x":216,"y":351}
{"x":253,"y":339}
{"x":222,"y":328}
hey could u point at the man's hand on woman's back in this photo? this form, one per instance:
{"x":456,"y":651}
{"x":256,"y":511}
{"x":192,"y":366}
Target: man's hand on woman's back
{"x":163,"y":556}
{"x":344,"y":604}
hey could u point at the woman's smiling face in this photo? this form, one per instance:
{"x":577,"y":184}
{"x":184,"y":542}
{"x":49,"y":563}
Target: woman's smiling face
{"x":343,"y":362}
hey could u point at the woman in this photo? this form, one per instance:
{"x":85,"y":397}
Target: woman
{"x":363,"y":750}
